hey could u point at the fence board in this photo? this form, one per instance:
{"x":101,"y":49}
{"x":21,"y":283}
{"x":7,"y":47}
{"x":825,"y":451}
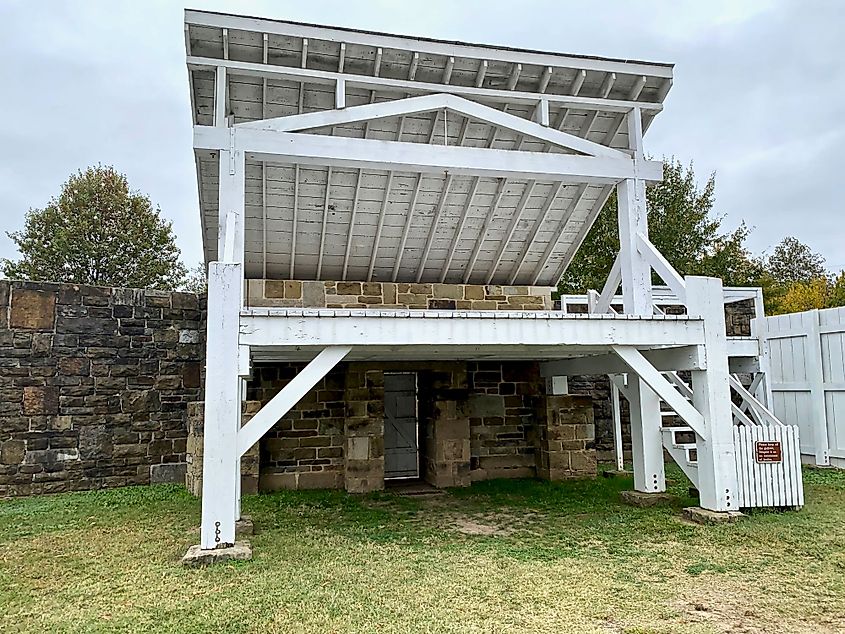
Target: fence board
{"x":807,"y":378}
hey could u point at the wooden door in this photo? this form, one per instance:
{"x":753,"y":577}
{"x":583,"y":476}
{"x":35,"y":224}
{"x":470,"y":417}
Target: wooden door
{"x":401,"y":444}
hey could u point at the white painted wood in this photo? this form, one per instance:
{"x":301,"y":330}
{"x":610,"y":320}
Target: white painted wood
{"x":717,"y":477}
{"x":638,"y":364}
{"x":222,"y":405}
{"x":220,"y":95}
{"x":431,"y":328}
{"x":617,"y":427}
{"x":250,"y":69}
{"x":427,"y":46}
{"x":768,"y":484}
{"x":611,"y":285}
{"x":527,"y":192}
{"x":805,"y":353}
{"x":288,"y":396}
{"x":429,"y":103}
{"x":679,"y":358}
{"x":340,"y":94}
{"x":662,"y":267}
{"x":309,"y":149}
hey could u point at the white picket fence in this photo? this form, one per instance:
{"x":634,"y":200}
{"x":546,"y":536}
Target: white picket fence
{"x":805,"y":358}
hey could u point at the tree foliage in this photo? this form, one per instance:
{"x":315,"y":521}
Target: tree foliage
{"x":681,"y":225}
{"x":793,"y":261}
{"x":97,"y":232}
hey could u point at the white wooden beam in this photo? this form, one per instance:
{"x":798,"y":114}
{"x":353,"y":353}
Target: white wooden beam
{"x":539,"y":333}
{"x":231,"y":201}
{"x":220,"y":91}
{"x":561,"y":226}
{"x":382,"y":211}
{"x":540,"y":222}
{"x":377,"y":62}
{"x":313,"y":149}
{"x":341,"y":58}
{"x":447,"y":71}
{"x":324,"y":223}
{"x":607,"y":86}
{"x":717,"y":474}
{"x":614,"y":279}
{"x":581,"y":236}
{"x":429,"y":103}
{"x":681,"y":358}
{"x":577,"y":82}
{"x":294,"y":222}
{"x":485,"y":227}
{"x":544,"y":79}
{"x":222,"y":406}
{"x":482,"y":73}
{"x":432,"y":234}
{"x":431,"y":47}
{"x":541,"y":113}
{"x":638,"y":364}
{"x":512,"y":225}
{"x":514,"y":76}
{"x":288,"y":396}
{"x":617,"y":426}
{"x":662,"y":267}
{"x":412,"y":68}
{"x":340,"y":94}
{"x":385,"y":84}
{"x":459,"y":227}
{"x":407,"y":228}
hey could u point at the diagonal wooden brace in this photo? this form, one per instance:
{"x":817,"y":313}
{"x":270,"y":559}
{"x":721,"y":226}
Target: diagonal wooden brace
{"x":289,"y":396}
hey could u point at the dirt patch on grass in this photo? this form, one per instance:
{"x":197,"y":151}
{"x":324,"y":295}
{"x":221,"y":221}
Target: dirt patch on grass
{"x":469,"y":526}
{"x":733,"y":610}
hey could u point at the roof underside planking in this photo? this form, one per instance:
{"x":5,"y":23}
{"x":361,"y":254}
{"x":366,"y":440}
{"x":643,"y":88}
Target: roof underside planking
{"x":379,"y":225}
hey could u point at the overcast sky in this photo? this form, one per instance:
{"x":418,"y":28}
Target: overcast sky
{"x":758,"y":94}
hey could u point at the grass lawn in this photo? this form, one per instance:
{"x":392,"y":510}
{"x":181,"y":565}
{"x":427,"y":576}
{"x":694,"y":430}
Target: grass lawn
{"x":502,"y":556}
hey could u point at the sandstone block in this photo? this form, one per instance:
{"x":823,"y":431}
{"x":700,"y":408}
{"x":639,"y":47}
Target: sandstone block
{"x":32,"y":310}
{"x":705,"y":516}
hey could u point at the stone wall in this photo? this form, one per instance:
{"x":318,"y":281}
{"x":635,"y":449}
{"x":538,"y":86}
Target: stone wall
{"x":305,"y":449}
{"x":94,"y":385}
{"x":478,"y":420}
{"x":299,"y":294}
{"x":502,"y":402}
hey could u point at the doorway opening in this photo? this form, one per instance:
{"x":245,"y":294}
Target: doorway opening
{"x":401,"y":426}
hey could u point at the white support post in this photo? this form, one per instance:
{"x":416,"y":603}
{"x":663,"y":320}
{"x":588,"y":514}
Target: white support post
{"x":646,"y":422}
{"x":222,"y":406}
{"x":224,"y":362}
{"x":717,"y":479}
{"x":617,"y":427}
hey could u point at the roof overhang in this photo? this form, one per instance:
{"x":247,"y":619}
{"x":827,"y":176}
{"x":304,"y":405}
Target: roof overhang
{"x":380,"y":157}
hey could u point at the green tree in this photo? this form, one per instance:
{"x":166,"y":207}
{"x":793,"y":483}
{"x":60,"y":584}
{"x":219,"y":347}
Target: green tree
{"x":681,"y":225}
{"x":97,"y":232}
{"x":793,"y":261}
{"x":197,"y":279}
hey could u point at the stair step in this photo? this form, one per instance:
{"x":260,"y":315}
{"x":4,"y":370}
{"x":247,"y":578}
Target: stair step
{"x":676,"y":429}
{"x":684,"y":445}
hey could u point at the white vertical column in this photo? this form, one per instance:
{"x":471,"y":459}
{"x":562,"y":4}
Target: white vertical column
{"x":221,"y":463}
{"x":646,"y":439}
{"x":717,"y":483}
{"x":222,"y":406}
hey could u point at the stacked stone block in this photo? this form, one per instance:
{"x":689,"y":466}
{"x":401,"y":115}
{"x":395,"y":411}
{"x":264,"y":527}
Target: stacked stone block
{"x":194,"y":452}
{"x":94,"y":385}
{"x":565,"y":438}
{"x":305,"y":294}
{"x":364,"y":396}
{"x":305,"y":449}
{"x":502,"y":402}
{"x":447,"y":455}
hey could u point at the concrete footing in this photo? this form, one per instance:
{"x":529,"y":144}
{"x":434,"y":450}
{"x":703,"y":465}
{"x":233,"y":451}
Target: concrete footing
{"x":643,"y":500}
{"x":196,"y":556}
{"x":244,"y":526}
{"x":704,"y":516}
{"x":615,"y":473}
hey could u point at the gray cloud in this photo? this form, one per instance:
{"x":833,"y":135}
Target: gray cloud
{"x":758,"y":94}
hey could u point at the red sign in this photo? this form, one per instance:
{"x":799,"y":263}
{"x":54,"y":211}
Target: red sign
{"x":768,"y":451}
